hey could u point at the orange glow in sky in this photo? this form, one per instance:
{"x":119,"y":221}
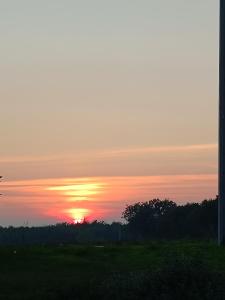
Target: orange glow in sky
{"x":49,"y":201}
{"x":106,"y":103}
{"x":78,"y":191}
{"x":78,"y":194}
{"x":78,"y":215}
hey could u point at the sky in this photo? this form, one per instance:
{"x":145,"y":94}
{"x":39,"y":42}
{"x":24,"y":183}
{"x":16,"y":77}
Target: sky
{"x":106,"y":103}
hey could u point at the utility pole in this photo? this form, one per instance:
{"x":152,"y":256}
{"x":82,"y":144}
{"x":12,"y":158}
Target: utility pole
{"x":0,"y":181}
{"x":221,"y":204}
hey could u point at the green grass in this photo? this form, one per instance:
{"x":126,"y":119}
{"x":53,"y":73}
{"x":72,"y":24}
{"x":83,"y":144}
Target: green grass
{"x":110,"y":272}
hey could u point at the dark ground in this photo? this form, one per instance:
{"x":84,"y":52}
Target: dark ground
{"x":154,"y":270}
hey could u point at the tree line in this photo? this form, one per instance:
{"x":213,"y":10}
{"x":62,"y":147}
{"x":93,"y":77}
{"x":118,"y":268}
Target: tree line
{"x":151,"y":220}
{"x":165,"y":219}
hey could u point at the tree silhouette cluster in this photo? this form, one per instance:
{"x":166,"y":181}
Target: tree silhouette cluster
{"x":155,"y":219}
{"x":165,"y":219}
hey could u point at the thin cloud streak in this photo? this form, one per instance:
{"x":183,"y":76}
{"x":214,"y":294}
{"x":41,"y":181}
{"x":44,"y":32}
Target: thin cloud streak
{"x":187,"y":148}
{"x":48,"y":197}
{"x":110,"y":153}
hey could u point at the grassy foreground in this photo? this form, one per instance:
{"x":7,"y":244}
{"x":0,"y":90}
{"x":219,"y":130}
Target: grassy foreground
{"x":156,"y":270}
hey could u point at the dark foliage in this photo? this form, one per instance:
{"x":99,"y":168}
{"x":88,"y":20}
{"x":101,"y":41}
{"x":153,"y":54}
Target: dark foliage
{"x":177,"y":279}
{"x":155,"y":219}
{"x":165,"y":219}
{"x":154,"y":270}
{"x":63,"y":233}
{"x":143,"y":217}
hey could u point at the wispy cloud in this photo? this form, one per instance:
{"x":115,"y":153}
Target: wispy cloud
{"x":109,"y":153}
{"x":49,"y":197}
{"x":164,"y":149}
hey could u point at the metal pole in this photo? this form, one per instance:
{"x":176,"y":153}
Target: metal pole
{"x":221,"y":204}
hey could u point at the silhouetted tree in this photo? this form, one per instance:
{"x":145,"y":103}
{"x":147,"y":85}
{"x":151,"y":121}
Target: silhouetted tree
{"x":143,"y":217}
{"x":154,"y":219}
{"x":165,"y":219}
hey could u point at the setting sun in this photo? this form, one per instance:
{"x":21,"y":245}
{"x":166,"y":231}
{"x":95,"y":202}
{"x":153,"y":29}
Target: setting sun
{"x":78,"y":215}
{"x":112,"y":160}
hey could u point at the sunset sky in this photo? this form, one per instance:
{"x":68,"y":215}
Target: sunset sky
{"x":105,"y":103}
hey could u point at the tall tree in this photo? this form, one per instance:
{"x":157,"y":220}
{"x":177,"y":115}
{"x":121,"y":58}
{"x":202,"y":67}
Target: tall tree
{"x":143,"y":217}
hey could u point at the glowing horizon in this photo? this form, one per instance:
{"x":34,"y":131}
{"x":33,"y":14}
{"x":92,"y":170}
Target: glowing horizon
{"x":106,"y":103}
{"x":104,"y":197}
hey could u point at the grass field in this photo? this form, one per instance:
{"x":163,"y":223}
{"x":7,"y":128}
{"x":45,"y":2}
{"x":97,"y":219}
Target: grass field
{"x":156,"y":270}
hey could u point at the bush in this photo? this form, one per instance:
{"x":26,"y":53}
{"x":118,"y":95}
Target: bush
{"x":177,"y":279}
